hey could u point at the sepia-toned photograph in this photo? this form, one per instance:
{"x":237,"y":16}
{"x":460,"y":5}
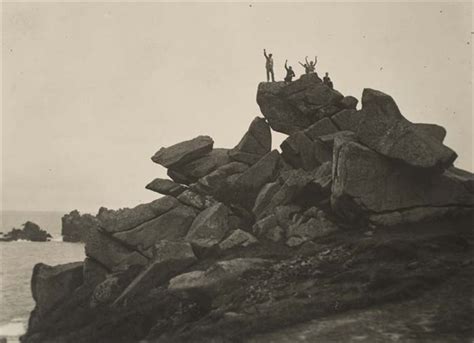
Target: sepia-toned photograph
{"x":233,"y":172}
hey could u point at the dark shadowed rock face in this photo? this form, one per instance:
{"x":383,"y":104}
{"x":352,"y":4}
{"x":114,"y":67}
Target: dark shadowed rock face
{"x":295,"y":106}
{"x":256,"y":143}
{"x":75,"y":226}
{"x":110,"y":252}
{"x":183,"y":152}
{"x":245,"y":187}
{"x":384,"y":129}
{"x":50,"y":286}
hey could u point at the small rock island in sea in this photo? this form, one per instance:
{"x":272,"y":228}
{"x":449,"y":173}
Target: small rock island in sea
{"x":30,"y":232}
{"x":360,"y":229}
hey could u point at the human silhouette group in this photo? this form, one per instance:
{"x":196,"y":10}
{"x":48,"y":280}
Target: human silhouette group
{"x":309,"y":68}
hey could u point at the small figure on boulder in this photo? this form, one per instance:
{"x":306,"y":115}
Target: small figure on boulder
{"x":309,"y":67}
{"x":269,"y":65}
{"x":327,"y":81}
{"x":289,"y":72}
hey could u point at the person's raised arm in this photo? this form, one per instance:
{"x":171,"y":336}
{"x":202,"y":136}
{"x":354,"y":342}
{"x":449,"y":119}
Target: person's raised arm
{"x":286,"y":64}
{"x":315,"y":59}
{"x":306,"y":59}
{"x":265,"y":53}
{"x":304,"y":66}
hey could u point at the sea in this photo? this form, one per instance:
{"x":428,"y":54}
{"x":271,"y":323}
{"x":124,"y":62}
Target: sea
{"x":17,"y":260}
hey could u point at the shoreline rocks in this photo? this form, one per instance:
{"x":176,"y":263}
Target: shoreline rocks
{"x":29,"y":232}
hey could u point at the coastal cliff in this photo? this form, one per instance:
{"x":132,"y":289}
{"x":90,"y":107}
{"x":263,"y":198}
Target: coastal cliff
{"x":361,"y":218}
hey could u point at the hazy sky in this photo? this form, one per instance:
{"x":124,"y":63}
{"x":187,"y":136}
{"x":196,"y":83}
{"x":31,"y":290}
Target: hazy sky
{"x":91,"y":91}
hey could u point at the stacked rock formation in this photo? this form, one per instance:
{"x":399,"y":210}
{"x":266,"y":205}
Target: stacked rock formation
{"x":225,"y":211}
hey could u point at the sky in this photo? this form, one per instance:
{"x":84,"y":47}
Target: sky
{"x":91,"y":91}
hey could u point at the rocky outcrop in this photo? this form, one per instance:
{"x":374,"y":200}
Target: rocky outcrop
{"x":75,"y":226}
{"x":366,"y":182}
{"x":29,"y":232}
{"x":361,"y":208}
{"x":384,"y":129}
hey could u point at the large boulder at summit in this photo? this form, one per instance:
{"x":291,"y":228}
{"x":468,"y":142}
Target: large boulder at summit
{"x":183,"y":152}
{"x":171,"y":225}
{"x":75,"y":226}
{"x":128,"y":218}
{"x":291,"y":107}
{"x":244,"y":189}
{"x":384,"y":129}
{"x":209,"y":227}
{"x":367,"y":183}
{"x":51,"y":285}
{"x":166,"y":187}
{"x":110,"y":252}
{"x":256,"y":143}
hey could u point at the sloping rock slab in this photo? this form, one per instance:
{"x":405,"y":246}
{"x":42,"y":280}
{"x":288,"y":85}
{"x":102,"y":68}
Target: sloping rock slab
{"x":384,"y":129}
{"x":170,"y":258}
{"x":128,"y":218}
{"x":244,"y":189}
{"x":108,"y":251}
{"x":217,"y":276}
{"x":172,"y":225}
{"x":166,"y":187}
{"x":183,"y":152}
{"x":256,"y":143}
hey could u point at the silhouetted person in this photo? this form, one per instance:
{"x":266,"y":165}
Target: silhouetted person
{"x":290,"y":74}
{"x":327,"y":81}
{"x":309,"y":67}
{"x":269,"y":65}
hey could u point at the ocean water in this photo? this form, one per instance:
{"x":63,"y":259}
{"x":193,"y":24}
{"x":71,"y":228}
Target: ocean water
{"x":17,"y":260}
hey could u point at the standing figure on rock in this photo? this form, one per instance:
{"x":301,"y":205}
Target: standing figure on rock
{"x":269,"y":65}
{"x":290,"y":74}
{"x":327,"y":81}
{"x":309,"y":67}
